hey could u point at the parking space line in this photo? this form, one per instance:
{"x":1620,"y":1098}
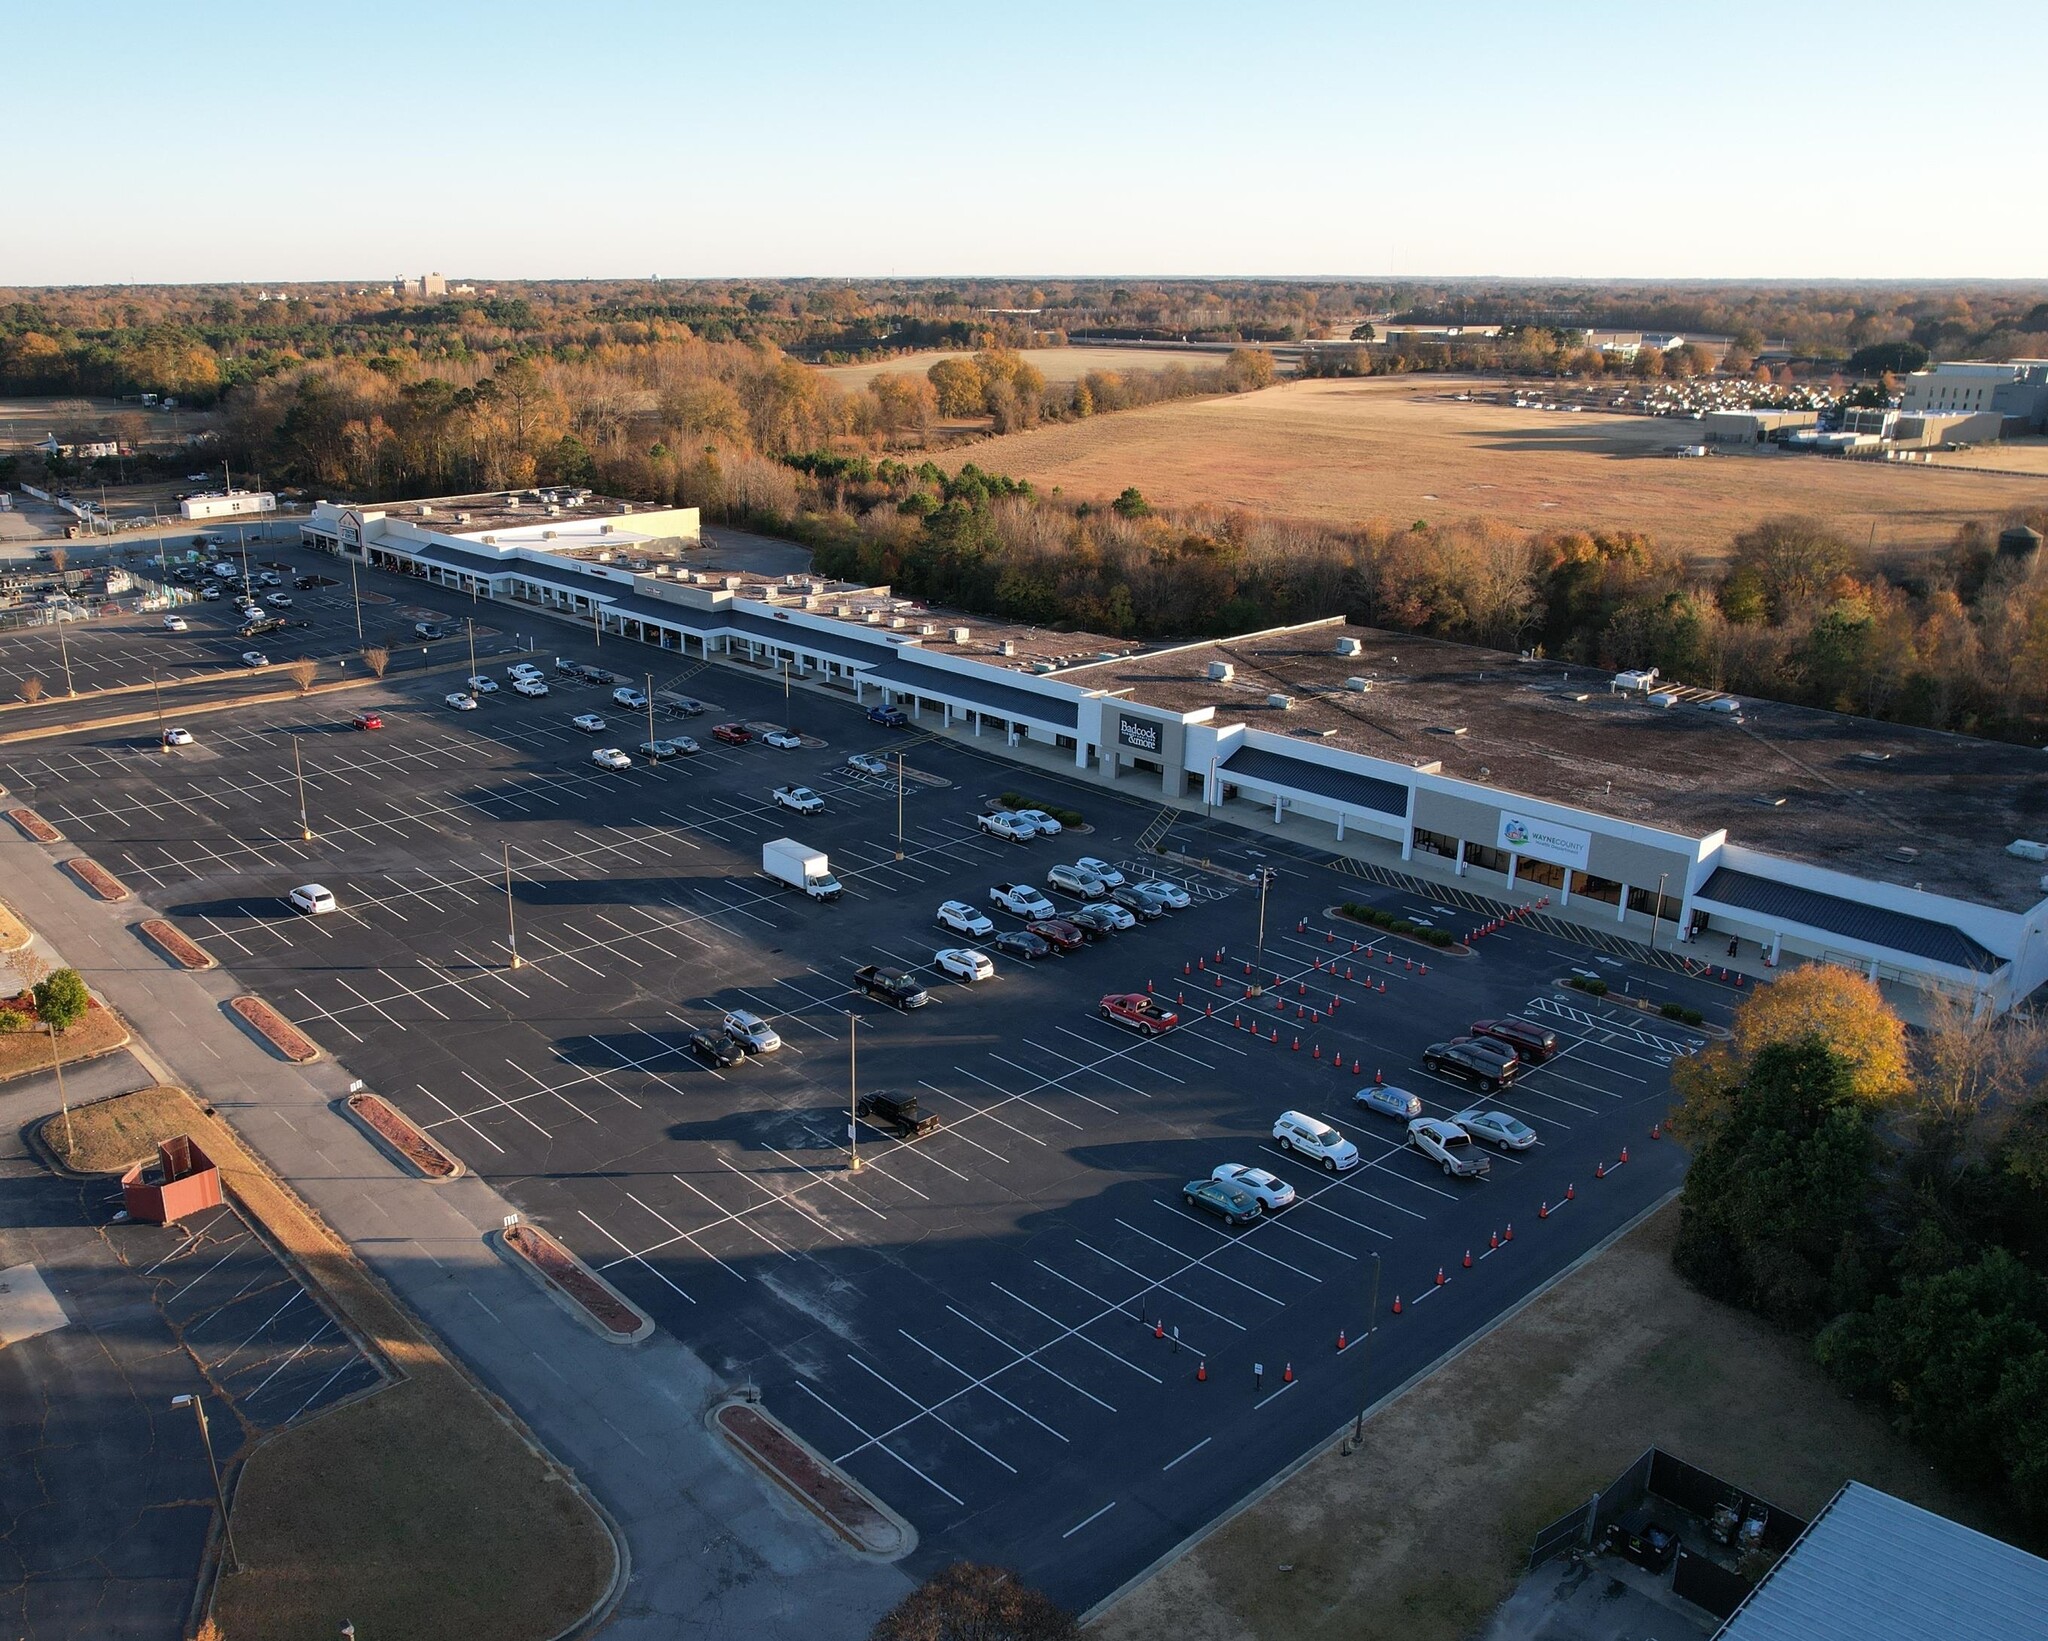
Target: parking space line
{"x":457,"y":1116}
{"x":1030,"y":1356}
{"x":633,"y":1257}
{"x":1075,"y":1334}
{"x":1105,"y":1510}
{"x":687,"y":1236}
{"x":789,"y":1199}
{"x":1189,"y":1454}
{"x":982,"y":1383}
{"x":1166,"y":1285}
{"x":1234,"y":1242}
{"x":871,"y":1441}
{"x":932,"y":1413}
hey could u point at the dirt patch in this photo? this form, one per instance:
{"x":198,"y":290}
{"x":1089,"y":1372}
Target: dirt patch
{"x":398,"y":1131}
{"x":1419,"y":1535}
{"x":175,"y":944}
{"x":590,"y":1293}
{"x":276,"y":1030}
{"x":24,"y":1053}
{"x":419,"y":1512}
{"x":1344,"y":452}
{"x":14,"y":934}
{"x":34,"y":826}
{"x":847,"y":1509}
{"x":96,"y":878}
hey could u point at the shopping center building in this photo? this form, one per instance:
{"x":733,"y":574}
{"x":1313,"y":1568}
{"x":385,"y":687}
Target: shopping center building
{"x":1665,"y":813}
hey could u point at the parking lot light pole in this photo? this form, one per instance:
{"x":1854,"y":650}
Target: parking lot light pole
{"x":156,"y":690}
{"x":299,"y":775}
{"x":899,"y":806}
{"x":57,"y":1065}
{"x":219,"y":1498}
{"x":471,"y":624}
{"x":511,"y":928}
{"x":649,"y":693}
{"x":355,"y":588}
{"x":1657,"y":909}
{"x":1372,"y":1313}
{"x":64,"y":647}
{"x":853,"y":1163}
{"x":1259,"y":962}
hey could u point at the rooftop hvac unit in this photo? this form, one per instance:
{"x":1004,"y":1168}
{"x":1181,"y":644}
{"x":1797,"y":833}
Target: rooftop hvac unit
{"x":1221,"y":672}
{"x":665,"y":569}
{"x":554,"y":511}
{"x":604,"y":529}
{"x":1358,"y":686}
{"x":602,"y":558}
{"x":1664,"y":698}
{"x":2027,"y":849}
{"x":1007,"y":647}
{"x":549,"y":535}
{"x":426,"y":512}
{"x":898,"y":623}
{"x":461,"y":518}
{"x":872,"y":617}
{"x":511,"y":501}
{"x":731,"y":583}
{"x":960,"y":635}
{"x":490,"y":541}
{"x":1641,"y":679}
{"x":1280,"y":703}
{"x":1350,"y":646}
{"x":927,"y":629}
{"x":843,"y":611}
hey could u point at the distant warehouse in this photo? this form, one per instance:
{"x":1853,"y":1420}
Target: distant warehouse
{"x":1753,"y":426}
{"x":228,"y":505}
{"x":2015,"y":390}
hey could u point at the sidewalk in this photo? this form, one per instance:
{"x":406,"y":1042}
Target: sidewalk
{"x":711,"y":1548}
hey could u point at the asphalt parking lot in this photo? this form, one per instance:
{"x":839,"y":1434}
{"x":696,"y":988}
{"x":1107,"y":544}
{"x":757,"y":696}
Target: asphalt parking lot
{"x":997,"y":1326}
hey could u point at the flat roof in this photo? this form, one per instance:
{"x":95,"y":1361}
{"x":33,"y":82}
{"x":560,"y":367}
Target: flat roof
{"x":1881,"y":801}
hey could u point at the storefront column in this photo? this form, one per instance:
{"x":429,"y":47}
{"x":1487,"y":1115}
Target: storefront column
{"x":1340,"y":826}
{"x":1564,"y":897}
{"x":1777,"y":940}
{"x":1459,"y":869}
{"x":1081,"y":757}
{"x":1621,"y":908}
{"x":1279,"y":803}
{"x":1514,"y":861}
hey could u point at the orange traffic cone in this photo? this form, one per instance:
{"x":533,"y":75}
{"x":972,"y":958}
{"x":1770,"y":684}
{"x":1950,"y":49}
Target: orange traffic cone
{"x":1287,"y":1374}
{"x":1158,"y":1330}
{"x":1509,"y":1234}
{"x":1543,"y":1209}
{"x":1201,"y":1372}
{"x":1468,"y":1259}
{"x":1341,"y":1342}
{"x":1600,"y":1170}
{"x":1354,"y":1067}
{"x":1297,"y":1045}
{"x":1439,"y":1276}
{"x":1571,"y":1193}
{"x":1397,"y":1304}
{"x":1656,"y":1131}
{"x":1379,"y":1080}
{"x":1496,"y":1239}
{"x":1624,"y":1154}
{"x":1319,"y":1051}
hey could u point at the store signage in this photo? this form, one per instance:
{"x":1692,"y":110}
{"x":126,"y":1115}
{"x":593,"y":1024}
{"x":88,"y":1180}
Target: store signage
{"x":1139,"y":734}
{"x":1525,"y":835}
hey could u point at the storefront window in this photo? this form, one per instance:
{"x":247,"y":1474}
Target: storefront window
{"x":1595,"y":888}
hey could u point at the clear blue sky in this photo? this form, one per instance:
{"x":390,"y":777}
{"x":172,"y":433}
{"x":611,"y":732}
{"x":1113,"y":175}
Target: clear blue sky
{"x":234,"y":141}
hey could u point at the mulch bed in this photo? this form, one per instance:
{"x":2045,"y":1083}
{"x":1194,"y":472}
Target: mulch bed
{"x":562,"y":1268}
{"x":34,"y":826}
{"x":96,"y":878}
{"x":817,"y":1484}
{"x":179,"y":947}
{"x":416,"y":1147}
{"x":279,"y":1032}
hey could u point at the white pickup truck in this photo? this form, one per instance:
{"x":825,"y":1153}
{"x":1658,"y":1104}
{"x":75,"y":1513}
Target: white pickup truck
{"x":800,"y":798}
{"x":1021,"y":898}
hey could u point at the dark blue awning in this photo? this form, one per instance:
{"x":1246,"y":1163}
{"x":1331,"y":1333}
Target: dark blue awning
{"x":1852,"y":919}
{"x":1306,"y":773}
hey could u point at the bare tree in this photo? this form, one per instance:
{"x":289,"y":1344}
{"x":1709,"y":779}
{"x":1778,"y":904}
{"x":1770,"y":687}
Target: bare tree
{"x":376,"y":658}
{"x":986,"y":1603}
{"x":32,"y":690}
{"x":302,"y":672}
{"x":30,"y":968}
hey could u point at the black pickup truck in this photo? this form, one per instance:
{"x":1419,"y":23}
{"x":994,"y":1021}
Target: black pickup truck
{"x":891,"y":986}
{"x":896,"y":1111}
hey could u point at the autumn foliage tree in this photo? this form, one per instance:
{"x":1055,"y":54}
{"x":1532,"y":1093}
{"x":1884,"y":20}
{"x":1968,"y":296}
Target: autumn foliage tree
{"x":967,"y":1602}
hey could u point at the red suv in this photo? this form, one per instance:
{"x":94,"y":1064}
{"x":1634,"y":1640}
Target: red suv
{"x":1058,"y":933}
{"x":732,"y":734}
{"x":1529,"y":1041}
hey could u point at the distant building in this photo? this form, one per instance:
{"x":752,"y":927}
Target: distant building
{"x":426,"y":285}
{"x":2016,"y":389}
{"x":90,"y":450}
{"x":228,"y":505}
{"x":1753,"y":426}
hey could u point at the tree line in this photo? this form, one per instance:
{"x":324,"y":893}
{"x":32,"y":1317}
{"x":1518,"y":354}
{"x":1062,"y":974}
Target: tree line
{"x":1889,"y":1201}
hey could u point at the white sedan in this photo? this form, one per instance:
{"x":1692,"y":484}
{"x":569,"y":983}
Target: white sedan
{"x":1496,"y":1128}
{"x":1102,"y":869}
{"x":480,"y":685}
{"x":610,"y":757}
{"x":314,"y":899}
{"x":460,"y":701}
{"x":1273,"y":1191}
{"x":175,"y":623}
{"x":962,"y":918}
{"x":964,"y":963}
{"x":1170,"y":892}
{"x":279,"y":601}
{"x":1047,"y":826}
{"x":255,"y":658}
{"x":868,"y":764}
{"x":788,"y":739}
{"x":175,"y":736}
{"x":589,"y":722}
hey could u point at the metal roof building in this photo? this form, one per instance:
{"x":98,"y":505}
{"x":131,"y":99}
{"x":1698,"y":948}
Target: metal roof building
{"x":1875,"y":1568}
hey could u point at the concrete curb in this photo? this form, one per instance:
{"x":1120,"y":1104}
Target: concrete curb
{"x":1429,"y":1369}
{"x":787,"y":1485}
{"x":346,"y":1106}
{"x":495,"y":1240}
{"x":1456,"y":948}
{"x":249,"y":1017}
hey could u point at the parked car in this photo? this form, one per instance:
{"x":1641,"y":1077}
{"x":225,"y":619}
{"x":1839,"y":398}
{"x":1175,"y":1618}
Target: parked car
{"x":1082,"y":885}
{"x":685,"y":746}
{"x":270,"y":578}
{"x":888,"y":717}
{"x":1103,"y":918}
{"x":897,"y":1112}
{"x":747,"y":1028}
{"x":629,"y":698}
{"x":962,"y":918}
{"x":868,"y":764}
{"x":176,"y":623}
{"x":1472,"y":1057}
{"x":1227,"y":1200}
{"x":1389,"y":1101}
{"x":1530,"y":1041}
{"x":1043,"y":823}
{"x":1273,"y":1192}
{"x":523,"y":669}
{"x":1058,"y":932}
{"x":680,"y":706}
{"x":1021,"y":898}
{"x":1315,"y":1139}
{"x":1449,"y":1146}
{"x":1110,"y":877}
{"x":427,"y":629}
{"x":460,"y":700}
{"x":314,"y":899}
{"x":1022,"y":943}
{"x":800,"y":798}
{"x":1497,"y":1128}
{"x":964,"y":963}
{"x":306,"y":583}
{"x":610,"y":757}
{"x":1144,"y":1014}
{"x":657,"y":750}
{"x":279,"y":601}
{"x":175,"y":736}
{"x":260,"y":626}
{"x":1135,"y":898}
{"x":480,"y":685}
{"x":1006,"y":826}
{"x":529,"y":687}
{"x":589,"y":722}
{"x":717,"y":1050}
{"x":210,"y":594}
{"x":255,"y":658}
{"x":891,"y":986}
{"x":786,"y":739}
{"x":1176,"y":898}
{"x":732,"y":734}
{"x":366,"y":720}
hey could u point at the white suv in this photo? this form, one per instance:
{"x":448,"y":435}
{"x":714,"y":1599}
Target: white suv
{"x":962,"y":918}
{"x":1315,"y":1139}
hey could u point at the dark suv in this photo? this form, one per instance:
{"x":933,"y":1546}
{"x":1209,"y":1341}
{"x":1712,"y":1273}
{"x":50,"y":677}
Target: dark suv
{"x":1492,"y":1065}
{"x":895,"y":1111}
{"x":1530,"y":1042}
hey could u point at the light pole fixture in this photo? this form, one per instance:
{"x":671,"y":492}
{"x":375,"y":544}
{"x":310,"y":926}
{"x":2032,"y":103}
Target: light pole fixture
{"x":1657,"y":908}
{"x":899,"y":806}
{"x":1372,"y":1323}
{"x":64,"y":646}
{"x":1256,"y":988}
{"x":156,"y":691}
{"x":355,"y":588}
{"x":219,"y":1498}
{"x":853,"y":1162}
{"x":511,"y":928}
{"x":299,"y":775}
{"x":649,"y":693}
{"x":63,"y":1100}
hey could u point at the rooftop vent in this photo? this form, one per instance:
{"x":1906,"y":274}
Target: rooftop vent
{"x":960,"y":635}
{"x":490,"y":541}
{"x":1665,"y":699}
{"x":461,"y":518}
{"x":426,"y":512}
{"x":897,"y":622}
{"x":1221,"y":672}
{"x":554,"y":511}
{"x":1315,"y":734}
{"x":1359,"y":686}
{"x":1449,"y":729}
{"x":1350,"y":646}
{"x":1905,"y":854}
{"x":872,"y":617}
{"x":549,"y":535}
{"x":927,"y":629}
{"x":1280,"y":703}
{"x":2027,"y":849}
{"x":1724,"y":703}
{"x":1875,"y":757}
{"x":1007,"y":647}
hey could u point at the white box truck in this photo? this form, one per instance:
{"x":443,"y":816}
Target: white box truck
{"x":790,"y":862}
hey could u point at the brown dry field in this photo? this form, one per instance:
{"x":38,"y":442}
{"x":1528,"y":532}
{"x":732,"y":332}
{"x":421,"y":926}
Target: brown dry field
{"x":1400,"y":449}
{"x":1420,"y":1534}
{"x":1055,"y":364}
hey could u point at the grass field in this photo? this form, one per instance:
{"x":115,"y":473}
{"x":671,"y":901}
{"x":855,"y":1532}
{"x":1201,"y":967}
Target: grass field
{"x":1419,"y":1535}
{"x":1055,"y":364}
{"x":1404,"y":449}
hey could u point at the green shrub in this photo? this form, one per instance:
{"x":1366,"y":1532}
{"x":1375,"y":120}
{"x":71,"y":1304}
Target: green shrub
{"x":61,"y":999}
{"x":11,"y":1021}
{"x":1438,"y":937}
{"x":1678,"y":1011}
{"x":1017,"y":800}
{"x":1594,"y":988}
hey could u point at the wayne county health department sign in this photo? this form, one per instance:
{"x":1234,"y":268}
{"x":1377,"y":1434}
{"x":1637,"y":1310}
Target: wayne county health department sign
{"x":1525,"y":835}
{"x":1139,"y":734}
